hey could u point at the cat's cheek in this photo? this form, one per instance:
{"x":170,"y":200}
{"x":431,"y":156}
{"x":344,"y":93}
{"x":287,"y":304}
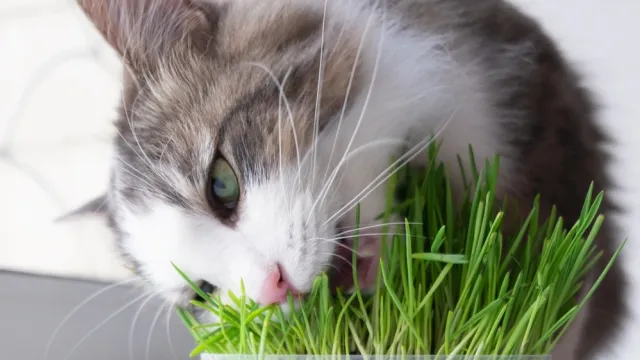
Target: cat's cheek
{"x":164,"y":237}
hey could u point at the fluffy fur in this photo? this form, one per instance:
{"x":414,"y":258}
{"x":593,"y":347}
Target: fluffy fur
{"x":308,"y":101}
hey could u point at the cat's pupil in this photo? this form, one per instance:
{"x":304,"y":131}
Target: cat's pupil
{"x":224,"y":184}
{"x":224,"y":188}
{"x":219,"y":185}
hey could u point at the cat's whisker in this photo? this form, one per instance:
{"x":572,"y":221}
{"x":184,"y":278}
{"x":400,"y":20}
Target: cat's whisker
{"x":144,"y":181}
{"x":288,"y":199}
{"x":147,"y":351}
{"x":77,"y":308}
{"x":151,"y":167}
{"x":348,"y":92}
{"x":282,"y":98}
{"x":145,"y":176}
{"x":298,"y":181}
{"x":329,"y":54}
{"x":127,"y":115}
{"x":170,"y":309}
{"x":134,"y":321}
{"x":284,"y":188}
{"x":102,"y":323}
{"x":351,"y":229}
{"x":143,"y":190}
{"x":337,"y":239}
{"x":394,"y":167}
{"x":328,"y":264}
{"x":374,"y":76}
{"x":364,"y":108}
{"x":368,"y":146}
{"x":316,"y":116}
{"x":340,"y":257}
{"x":164,"y":148}
{"x":287,"y":105}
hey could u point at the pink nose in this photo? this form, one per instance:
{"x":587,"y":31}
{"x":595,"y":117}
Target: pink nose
{"x":276,"y":288}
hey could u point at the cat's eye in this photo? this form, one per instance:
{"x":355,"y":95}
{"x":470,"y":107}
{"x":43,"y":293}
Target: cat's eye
{"x":224,"y":187}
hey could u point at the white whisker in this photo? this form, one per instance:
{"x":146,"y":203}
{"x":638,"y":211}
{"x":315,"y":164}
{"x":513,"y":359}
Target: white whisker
{"x":151,"y":327}
{"x":77,"y":308}
{"x":348,"y":92}
{"x":374,"y":76}
{"x":401,"y":161}
{"x":316,"y":117}
{"x":357,"y":228}
{"x":280,"y":87}
{"x":168,"y":330}
{"x":338,"y":238}
{"x":134,"y":321}
{"x":367,"y":146}
{"x":102,"y":323}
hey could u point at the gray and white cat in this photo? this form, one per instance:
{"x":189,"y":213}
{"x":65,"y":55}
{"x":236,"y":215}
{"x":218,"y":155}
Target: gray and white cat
{"x":250,"y":129}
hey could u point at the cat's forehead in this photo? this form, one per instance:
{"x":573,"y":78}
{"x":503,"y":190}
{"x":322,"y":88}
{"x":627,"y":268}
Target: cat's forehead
{"x":244,"y":99}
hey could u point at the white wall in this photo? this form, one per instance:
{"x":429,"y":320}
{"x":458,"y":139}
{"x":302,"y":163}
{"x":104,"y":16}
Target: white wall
{"x":59,"y":85}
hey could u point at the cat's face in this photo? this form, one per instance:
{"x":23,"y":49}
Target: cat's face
{"x":221,"y":159}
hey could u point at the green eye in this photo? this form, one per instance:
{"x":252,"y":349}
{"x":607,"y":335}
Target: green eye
{"x":224,"y":184}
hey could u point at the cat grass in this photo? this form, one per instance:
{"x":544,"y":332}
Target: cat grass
{"x":452,"y":282}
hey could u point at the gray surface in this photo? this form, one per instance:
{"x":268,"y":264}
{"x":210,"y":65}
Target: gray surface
{"x":33,"y":306}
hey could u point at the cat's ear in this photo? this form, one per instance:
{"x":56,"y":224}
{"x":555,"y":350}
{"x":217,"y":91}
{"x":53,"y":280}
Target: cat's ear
{"x":144,"y":32}
{"x":97,"y":206}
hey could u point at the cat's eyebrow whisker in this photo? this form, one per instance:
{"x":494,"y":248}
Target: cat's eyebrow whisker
{"x":127,"y":115}
{"x":77,"y":308}
{"x":298,"y":181}
{"x":394,"y":167}
{"x":316,"y":116}
{"x":284,"y":189}
{"x":329,"y":54}
{"x":134,"y":321}
{"x":348,"y":92}
{"x":374,"y":76}
{"x":145,"y":191}
{"x":280,"y":87}
{"x":282,"y":98}
{"x":146,"y":180}
{"x":142,"y":155}
{"x":132,"y":167}
{"x":164,"y":148}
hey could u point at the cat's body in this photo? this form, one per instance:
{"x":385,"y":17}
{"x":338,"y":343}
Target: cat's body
{"x":214,"y":89}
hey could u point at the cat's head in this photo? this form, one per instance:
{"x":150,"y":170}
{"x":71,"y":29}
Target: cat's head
{"x":217,"y":168}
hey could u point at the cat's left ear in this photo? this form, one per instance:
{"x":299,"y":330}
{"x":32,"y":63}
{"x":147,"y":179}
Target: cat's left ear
{"x":97,"y":206}
{"x":144,"y":32}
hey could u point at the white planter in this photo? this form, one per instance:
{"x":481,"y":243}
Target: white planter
{"x":358,"y":357}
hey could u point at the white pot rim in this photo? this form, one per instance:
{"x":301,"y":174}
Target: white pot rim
{"x":373,"y":357}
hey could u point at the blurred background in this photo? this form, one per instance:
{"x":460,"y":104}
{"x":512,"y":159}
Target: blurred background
{"x":59,"y":85}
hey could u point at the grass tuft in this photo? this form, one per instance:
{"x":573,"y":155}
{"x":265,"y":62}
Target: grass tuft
{"x":452,"y":283}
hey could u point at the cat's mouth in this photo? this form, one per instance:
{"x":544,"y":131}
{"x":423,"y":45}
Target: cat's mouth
{"x":367,"y":257}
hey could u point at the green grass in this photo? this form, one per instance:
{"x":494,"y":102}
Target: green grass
{"x":452,"y":284}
